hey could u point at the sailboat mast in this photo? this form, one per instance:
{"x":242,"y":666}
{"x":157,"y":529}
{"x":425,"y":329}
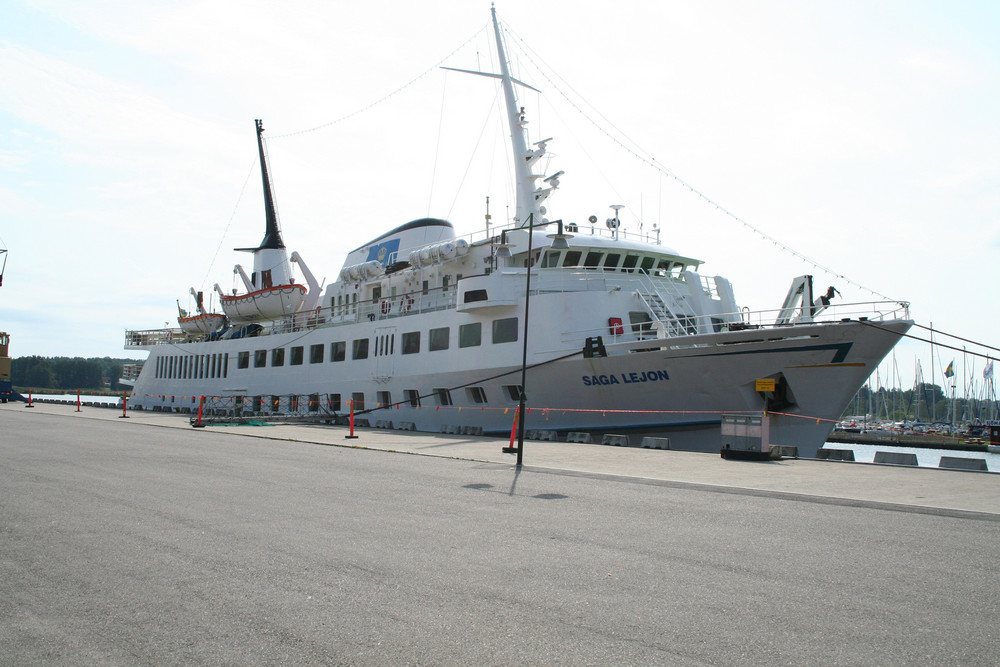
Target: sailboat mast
{"x":527,"y":207}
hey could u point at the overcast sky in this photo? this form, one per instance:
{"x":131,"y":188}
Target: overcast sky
{"x":862,"y":135}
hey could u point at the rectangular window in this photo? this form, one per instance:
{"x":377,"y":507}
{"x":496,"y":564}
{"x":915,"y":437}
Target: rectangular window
{"x":412,"y":397}
{"x":593,"y":259}
{"x":411,"y":342}
{"x":338,"y":351}
{"x":243,"y":360}
{"x":297,"y":353}
{"x":629,"y":264}
{"x":358,"y":398}
{"x":334,"y":401}
{"x":476,"y":394}
{"x":641,"y":322}
{"x":551,"y":259}
{"x":470,"y":335}
{"x":384,"y":398}
{"x":443,"y":396}
{"x":474,"y":295}
{"x":438,"y":339}
{"x":316,"y":353}
{"x":360,"y":349}
{"x":259,"y":358}
{"x":278,"y":356}
{"x":647,"y":263}
{"x":572,"y":258}
{"x":505,"y":330}
{"x":611,"y":261}
{"x":513,"y":392}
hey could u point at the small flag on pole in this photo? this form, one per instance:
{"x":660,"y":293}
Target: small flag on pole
{"x":988,"y":371}
{"x":950,"y":371}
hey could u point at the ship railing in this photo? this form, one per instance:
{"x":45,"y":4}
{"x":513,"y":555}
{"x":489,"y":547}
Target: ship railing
{"x":142,"y":338}
{"x":631,"y":331}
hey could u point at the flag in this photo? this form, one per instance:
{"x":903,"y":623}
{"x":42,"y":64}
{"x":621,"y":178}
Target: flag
{"x":950,"y":371}
{"x":988,"y":371}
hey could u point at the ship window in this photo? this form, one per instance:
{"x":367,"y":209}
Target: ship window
{"x":641,"y":322}
{"x":551,"y":259}
{"x":438,"y":339}
{"x":243,"y":360}
{"x":572,"y":258}
{"x":360,"y":350}
{"x":443,"y":396}
{"x":476,"y":394}
{"x":470,"y":335}
{"x":513,"y":391}
{"x":647,"y":263}
{"x":663,"y":266}
{"x":265,"y":279}
{"x":259,"y":358}
{"x":384,"y":398}
{"x":278,"y":356}
{"x":474,"y":295}
{"x":426,"y":287}
{"x":593,"y":259}
{"x":316,"y":353}
{"x":444,"y":283}
{"x":296,"y":359}
{"x":334,"y":400}
{"x":215,"y":362}
{"x":358,"y":400}
{"x":225,"y":365}
{"x":338,"y":351}
{"x":411,"y":342}
{"x":611,"y":261}
{"x":505,"y":330}
{"x":412,"y":397}
{"x":629,"y":264}
{"x":314,"y":402}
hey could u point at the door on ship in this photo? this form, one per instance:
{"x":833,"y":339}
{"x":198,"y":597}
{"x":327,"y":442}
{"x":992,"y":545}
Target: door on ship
{"x":384,"y":350}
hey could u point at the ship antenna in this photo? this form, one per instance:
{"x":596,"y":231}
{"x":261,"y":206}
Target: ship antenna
{"x":272,"y":233}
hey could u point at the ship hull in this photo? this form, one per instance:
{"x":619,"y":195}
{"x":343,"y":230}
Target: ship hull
{"x":674,"y":388}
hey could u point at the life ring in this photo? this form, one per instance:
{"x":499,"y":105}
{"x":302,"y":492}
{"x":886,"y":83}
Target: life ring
{"x":385,"y":306}
{"x":405,"y":304}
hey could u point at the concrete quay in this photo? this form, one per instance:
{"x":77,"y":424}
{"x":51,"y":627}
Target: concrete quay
{"x":928,"y":490}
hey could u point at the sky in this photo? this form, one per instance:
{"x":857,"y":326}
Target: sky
{"x":860,"y":135}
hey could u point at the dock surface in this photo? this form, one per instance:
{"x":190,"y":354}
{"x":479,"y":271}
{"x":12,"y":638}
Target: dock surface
{"x":143,"y":540}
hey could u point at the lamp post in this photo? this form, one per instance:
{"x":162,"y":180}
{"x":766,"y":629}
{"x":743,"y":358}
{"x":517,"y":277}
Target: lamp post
{"x":558,"y":243}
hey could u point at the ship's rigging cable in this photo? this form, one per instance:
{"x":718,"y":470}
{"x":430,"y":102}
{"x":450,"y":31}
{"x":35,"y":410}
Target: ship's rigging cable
{"x":643,"y":156}
{"x":222,"y":240}
{"x":384,"y":97}
{"x":936,"y":344}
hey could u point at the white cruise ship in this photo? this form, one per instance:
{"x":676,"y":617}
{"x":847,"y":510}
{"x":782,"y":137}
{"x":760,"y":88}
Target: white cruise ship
{"x":606,"y":332}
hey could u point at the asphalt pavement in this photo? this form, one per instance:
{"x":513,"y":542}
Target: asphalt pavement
{"x":144,"y":541}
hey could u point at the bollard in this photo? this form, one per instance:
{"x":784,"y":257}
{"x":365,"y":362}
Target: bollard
{"x":511,"y":449}
{"x":351,"y":436}
{"x":78,"y":401}
{"x":29,"y":405}
{"x":201,"y":407}
{"x":124,"y":405}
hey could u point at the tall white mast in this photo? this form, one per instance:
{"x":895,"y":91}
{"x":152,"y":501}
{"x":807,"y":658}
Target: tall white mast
{"x":529,"y":195}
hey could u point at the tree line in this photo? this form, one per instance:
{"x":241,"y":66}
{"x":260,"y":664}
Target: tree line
{"x":68,"y":373}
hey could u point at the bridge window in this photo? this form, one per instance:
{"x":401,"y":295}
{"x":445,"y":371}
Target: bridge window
{"x":593,"y":259}
{"x":629,"y":264}
{"x":611,"y":261}
{"x":572,"y":258}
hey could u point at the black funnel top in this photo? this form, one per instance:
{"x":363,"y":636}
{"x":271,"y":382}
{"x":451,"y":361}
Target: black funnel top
{"x":272,"y":234}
